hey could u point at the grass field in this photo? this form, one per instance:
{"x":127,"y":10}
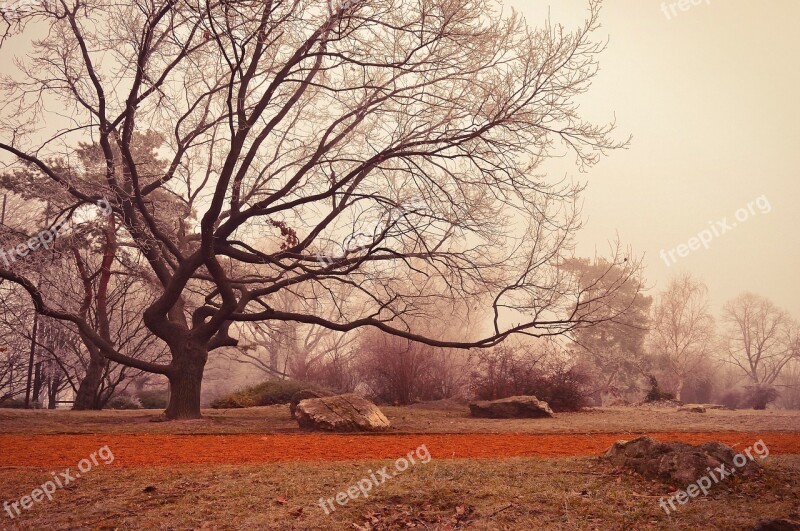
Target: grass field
{"x":444,"y":493}
{"x":415,"y":419}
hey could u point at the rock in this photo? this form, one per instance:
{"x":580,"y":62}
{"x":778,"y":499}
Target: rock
{"x":514,"y":407}
{"x":349,"y":412}
{"x":692,"y":408}
{"x":780,"y":524}
{"x":677,"y":463}
{"x":304,"y":395}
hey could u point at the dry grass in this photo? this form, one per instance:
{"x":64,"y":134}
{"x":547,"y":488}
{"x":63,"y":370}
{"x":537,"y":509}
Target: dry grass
{"x":476,"y":494}
{"x":276,"y":419}
{"x":515,"y":493}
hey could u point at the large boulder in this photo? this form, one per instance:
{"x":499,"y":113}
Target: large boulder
{"x":305,"y":394}
{"x":514,"y":407}
{"x":349,"y":412}
{"x":676,"y":463}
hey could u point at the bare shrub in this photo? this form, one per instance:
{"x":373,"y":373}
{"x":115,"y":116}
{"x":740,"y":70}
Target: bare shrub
{"x":655,"y":393}
{"x":395,"y":370}
{"x":732,"y":399}
{"x":401,"y":372}
{"x":501,"y":372}
{"x":760,"y":396}
{"x":507,"y":371}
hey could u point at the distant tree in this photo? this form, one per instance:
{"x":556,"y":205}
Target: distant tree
{"x":760,"y":339}
{"x":614,"y":349}
{"x":683,"y":332}
{"x":789,"y":385}
{"x":305,"y":352}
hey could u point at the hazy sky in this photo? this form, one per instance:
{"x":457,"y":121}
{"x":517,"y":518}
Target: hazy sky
{"x":710,"y":97}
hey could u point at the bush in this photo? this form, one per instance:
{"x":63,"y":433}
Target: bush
{"x":13,"y":403}
{"x":154,"y":399}
{"x":502,"y":372}
{"x":124,"y":402}
{"x":656,"y":394}
{"x":731,"y":399}
{"x":755,"y":397}
{"x":395,"y":370}
{"x":264,"y":394}
{"x":759,"y":397}
{"x":563,"y":390}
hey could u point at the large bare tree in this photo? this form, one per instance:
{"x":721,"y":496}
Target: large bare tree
{"x":289,"y":126}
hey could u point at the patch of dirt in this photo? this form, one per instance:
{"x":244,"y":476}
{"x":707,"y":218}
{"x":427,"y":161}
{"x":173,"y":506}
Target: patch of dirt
{"x":170,"y":450}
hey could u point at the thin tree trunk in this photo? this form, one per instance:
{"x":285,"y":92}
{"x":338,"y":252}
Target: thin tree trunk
{"x":37,"y":384}
{"x":679,"y":389}
{"x":88,"y":396}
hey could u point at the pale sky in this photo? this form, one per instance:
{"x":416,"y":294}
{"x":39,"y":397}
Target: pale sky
{"x":710,"y":97}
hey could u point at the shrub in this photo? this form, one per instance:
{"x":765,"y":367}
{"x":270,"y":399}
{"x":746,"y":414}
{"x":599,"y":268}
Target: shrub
{"x":13,"y":403}
{"x":504,"y":372}
{"x":731,"y":399}
{"x":264,"y":394}
{"x":655,"y":393}
{"x":395,"y":370}
{"x":156,"y":399}
{"x":124,"y":402}
{"x":562,"y":389}
{"x":759,"y":397}
{"x":501,"y":372}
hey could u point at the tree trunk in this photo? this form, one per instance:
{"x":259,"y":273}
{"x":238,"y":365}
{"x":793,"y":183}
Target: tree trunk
{"x":52,"y":390}
{"x":37,"y":384}
{"x":86,"y":398}
{"x":185,"y":380}
{"x":679,"y":389}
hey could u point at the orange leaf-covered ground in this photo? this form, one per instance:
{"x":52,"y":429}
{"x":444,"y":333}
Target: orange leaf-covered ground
{"x":149,"y":449}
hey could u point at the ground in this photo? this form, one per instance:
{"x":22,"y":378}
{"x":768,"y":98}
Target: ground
{"x":253,"y":469}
